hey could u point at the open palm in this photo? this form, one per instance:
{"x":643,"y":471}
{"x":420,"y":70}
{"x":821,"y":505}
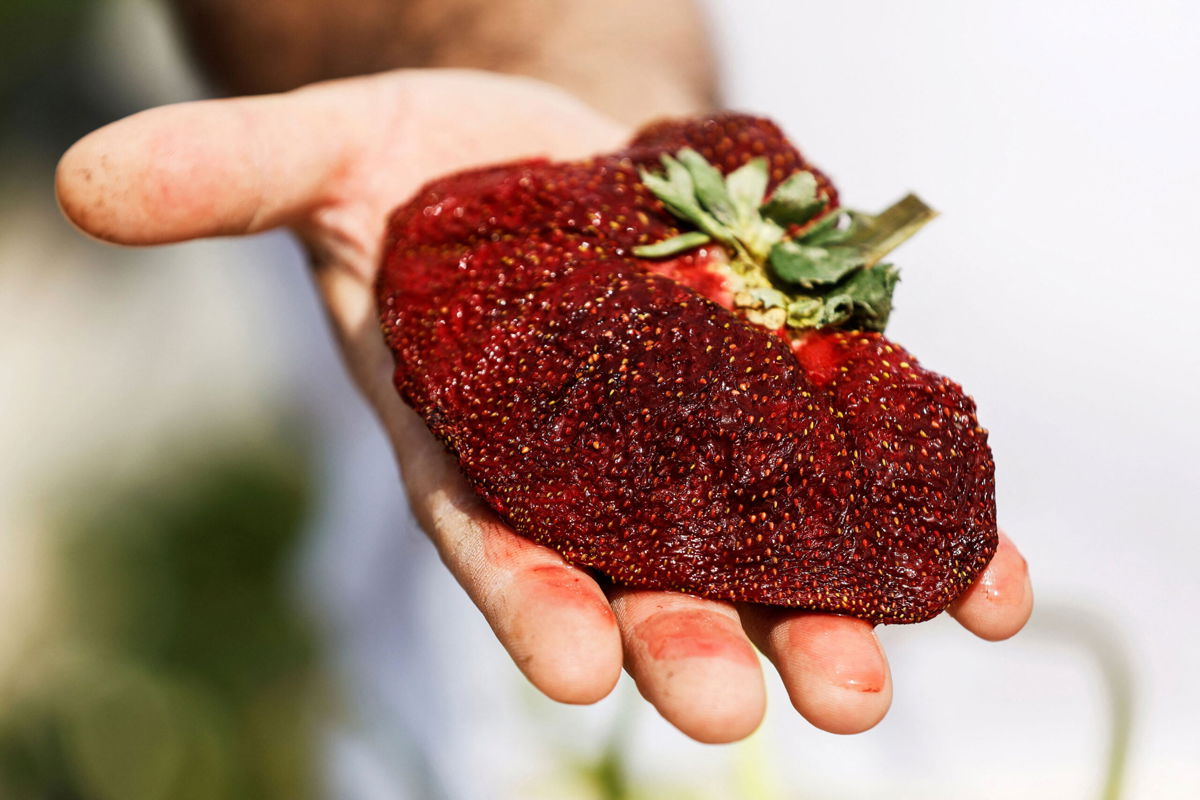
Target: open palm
{"x":330,"y":161}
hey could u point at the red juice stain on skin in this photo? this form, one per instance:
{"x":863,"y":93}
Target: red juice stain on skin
{"x":559,"y":586}
{"x":874,"y":687}
{"x":548,"y":584}
{"x":675,"y":635}
{"x":842,"y":650}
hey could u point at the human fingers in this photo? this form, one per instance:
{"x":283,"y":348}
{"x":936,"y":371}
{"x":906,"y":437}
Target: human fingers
{"x":551,"y":617}
{"x":1000,"y":601}
{"x":691,"y":661}
{"x":834,"y":669}
{"x":211,"y":168}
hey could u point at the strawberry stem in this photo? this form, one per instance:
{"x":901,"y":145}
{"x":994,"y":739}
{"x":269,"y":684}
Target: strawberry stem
{"x":884,"y":232}
{"x":828,"y":275}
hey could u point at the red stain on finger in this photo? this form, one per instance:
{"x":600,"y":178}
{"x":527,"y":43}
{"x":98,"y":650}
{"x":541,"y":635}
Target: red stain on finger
{"x":843,"y":651}
{"x":559,"y":586}
{"x":541,"y":576}
{"x":674,"y":635}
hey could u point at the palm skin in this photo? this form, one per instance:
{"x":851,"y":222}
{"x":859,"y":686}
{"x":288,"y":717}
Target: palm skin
{"x":329,"y":162}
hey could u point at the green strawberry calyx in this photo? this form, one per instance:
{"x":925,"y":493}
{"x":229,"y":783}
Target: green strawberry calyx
{"x":795,"y":261}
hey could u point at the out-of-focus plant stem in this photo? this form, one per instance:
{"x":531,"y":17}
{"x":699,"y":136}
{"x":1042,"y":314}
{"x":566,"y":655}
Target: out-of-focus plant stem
{"x":1083,"y":630}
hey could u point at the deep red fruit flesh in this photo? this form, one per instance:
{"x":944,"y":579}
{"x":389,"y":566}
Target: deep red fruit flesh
{"x":617,"y":410}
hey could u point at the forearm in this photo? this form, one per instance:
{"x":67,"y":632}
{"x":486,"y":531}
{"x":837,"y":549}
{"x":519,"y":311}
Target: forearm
{"x":630,"y":58}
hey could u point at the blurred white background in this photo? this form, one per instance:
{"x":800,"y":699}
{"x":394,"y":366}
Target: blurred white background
{"x":1059,"y":142}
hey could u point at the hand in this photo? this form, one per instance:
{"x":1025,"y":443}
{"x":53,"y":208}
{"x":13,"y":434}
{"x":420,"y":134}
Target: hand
{"x":330,"y":161}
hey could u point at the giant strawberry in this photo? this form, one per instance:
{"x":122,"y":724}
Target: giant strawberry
{"x":667,"y":364}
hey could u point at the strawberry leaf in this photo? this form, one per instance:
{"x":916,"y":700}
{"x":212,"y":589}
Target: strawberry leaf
{"x":672,"y":196}
{"x":827,"y":230}
{"x":808,"y":266}
{"x":864,"y":300}
{"x":679,"y":177}
{"x":747,"y":185}
{"x":678,"y":192}
{"x":710,"y":185}
{"x":672,"y":246}
{"x":675,"y":190}
{"x":827,"y":276}
{"x":795,"y":201}
{"x":805,"y":312}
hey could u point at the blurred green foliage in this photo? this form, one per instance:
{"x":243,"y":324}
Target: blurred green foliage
{"x":48,"y":90}
{"x":183,"y":669}
{"x":32,"y":30}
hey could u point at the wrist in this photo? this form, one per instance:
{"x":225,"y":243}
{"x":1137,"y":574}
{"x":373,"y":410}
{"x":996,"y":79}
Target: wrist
{"x":630,"y":59}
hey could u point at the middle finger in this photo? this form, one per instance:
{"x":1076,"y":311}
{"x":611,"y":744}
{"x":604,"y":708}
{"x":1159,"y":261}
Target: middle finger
{"x":692,"y":661}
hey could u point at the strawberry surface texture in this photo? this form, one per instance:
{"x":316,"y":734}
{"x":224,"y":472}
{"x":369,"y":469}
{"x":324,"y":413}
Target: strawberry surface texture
{"x":679,"y":407}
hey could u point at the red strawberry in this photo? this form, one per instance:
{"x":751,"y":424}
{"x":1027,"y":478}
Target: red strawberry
{"x":715,"y":413}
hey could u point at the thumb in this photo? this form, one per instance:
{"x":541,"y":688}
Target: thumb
{"x":209,"y":168}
